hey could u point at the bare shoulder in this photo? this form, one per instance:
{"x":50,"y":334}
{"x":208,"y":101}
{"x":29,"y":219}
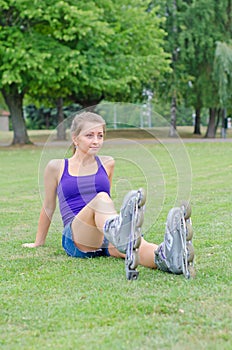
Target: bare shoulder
{"x":107,"y":161}
{"x":55,"y":166}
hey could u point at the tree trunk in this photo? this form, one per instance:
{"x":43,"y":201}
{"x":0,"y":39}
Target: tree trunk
{"x":61,"y":130}
{"x":210,"y":133}
{"x":197,"y":126}
{"x":14,"y":101}
{"x":172,"y":130}
{"x":224,"y":123}
{"x":218,"y":117}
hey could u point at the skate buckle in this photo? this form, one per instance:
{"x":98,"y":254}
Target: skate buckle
{"x":130,"y":273}
{"x":131,"y":262}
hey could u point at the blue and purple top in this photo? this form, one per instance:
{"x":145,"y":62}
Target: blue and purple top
{"x":75,"y":192}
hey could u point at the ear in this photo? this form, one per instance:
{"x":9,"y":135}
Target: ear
{"x":74,"y":140}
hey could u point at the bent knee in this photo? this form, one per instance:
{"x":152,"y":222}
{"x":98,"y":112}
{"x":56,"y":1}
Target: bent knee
{"x":103,"y":203}
{"x":104,"y":196}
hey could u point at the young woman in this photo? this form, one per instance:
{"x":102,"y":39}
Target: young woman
{"x":82,"y":183}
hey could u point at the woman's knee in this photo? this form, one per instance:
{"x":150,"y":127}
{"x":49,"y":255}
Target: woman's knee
{"x":103,"y":204}
{"x":103,"y":196}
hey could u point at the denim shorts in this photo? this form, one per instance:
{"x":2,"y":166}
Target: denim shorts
{"x":72,"y":250}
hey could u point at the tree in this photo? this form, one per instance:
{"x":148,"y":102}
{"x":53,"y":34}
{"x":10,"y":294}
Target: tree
{"x":223,"y":72}
{"x":121,"y":59}
{"x":119,"y":55}
{"x":223,"y":77}
{"x":81,"y":50}
{"x":205,"y":22}
{"x":175,"y":85}
{"x":27,"y":48}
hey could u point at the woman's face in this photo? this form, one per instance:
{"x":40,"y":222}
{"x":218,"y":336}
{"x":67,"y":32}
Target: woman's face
{"x":90,"y":139}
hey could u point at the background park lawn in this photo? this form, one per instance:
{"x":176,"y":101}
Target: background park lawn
{"x":51,"y":301}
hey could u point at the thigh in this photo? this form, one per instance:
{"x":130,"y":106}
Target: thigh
{"x":87,"y":226}
{"x":86,"y":235}
{"x":72,"y":250}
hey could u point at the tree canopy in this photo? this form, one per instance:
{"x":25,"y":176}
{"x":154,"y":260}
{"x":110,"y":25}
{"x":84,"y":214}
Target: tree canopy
{"x":194,"y":27}
{"x":82,"y":50}
{"x":223,"y":72}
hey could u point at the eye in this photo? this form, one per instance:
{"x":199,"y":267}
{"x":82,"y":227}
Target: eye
{"x":89,"y":136}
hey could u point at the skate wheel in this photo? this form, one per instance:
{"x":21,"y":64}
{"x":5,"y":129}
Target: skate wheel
{"x":142,"y":197}
{"x":192,"y":271}
{"x":187,"y":209}
{"x":189,"y":233}
{"x":137,"y":243}
{"x":140,"y":218}
{"x":135,"y":261}
{"x":190,"y":250}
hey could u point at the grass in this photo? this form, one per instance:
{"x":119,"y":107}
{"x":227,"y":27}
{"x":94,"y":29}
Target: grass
{"x":50,"y":301}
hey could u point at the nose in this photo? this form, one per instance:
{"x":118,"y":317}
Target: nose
{"x":95,"y":139}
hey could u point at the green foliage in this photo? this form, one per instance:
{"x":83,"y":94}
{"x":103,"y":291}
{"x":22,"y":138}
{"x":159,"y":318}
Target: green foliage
{"x":175,"y":84}
{"x":203,"y":23}
{"x":223,"y":72}
{"x":132,"y":54}
{"x":2,"y":103}
{"x":89,"y":51}
{"x":56,"y":47}
{"x":30,"y":55}
{"x":45,"y":117}
{"x":193,"y":29}
{"x":59,"y":49}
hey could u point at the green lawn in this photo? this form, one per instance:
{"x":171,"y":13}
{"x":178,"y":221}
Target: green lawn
{"x":51,"y":301}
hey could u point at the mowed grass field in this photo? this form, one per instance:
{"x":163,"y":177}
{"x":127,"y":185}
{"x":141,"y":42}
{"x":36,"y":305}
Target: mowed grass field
{"x":51,"y":301}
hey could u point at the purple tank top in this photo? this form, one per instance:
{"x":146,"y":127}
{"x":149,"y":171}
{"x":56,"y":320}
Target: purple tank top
{"x":74,"y":192}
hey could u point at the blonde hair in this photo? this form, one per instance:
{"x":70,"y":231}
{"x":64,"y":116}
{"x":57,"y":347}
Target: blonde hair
{"x":79,"y":121}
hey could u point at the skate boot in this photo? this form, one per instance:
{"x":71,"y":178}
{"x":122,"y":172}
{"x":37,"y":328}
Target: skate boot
{"x":124,"y":230}
{"x":176,"y":253}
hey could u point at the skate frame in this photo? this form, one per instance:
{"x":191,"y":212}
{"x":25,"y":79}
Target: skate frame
{"x":132,"y":257}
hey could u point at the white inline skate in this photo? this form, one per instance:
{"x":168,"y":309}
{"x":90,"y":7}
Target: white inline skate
{"x":176,"y":253}
{"x":124,"y":230}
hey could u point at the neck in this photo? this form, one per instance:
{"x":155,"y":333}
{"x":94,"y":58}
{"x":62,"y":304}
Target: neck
{"x":83,"y":158}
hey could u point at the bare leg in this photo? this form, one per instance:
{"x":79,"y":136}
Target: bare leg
{"x":147,"y":254}
{"x":114,"y":252}
{"x":87,"y":226}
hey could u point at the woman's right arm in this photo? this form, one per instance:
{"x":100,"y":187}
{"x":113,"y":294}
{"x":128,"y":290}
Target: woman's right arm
{"x":51,"y":177}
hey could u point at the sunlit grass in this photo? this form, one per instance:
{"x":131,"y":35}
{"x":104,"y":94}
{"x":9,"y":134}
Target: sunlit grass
{"x":50,"y":301}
